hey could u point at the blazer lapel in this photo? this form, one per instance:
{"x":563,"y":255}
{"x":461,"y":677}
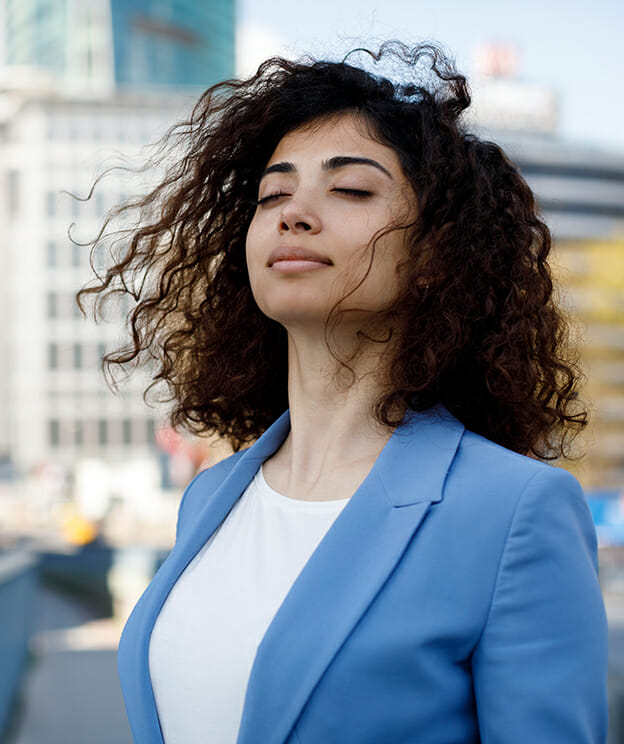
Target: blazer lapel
{"x":223,"y":499}
{"x":135,"y":671}
{"x":346,"y":572}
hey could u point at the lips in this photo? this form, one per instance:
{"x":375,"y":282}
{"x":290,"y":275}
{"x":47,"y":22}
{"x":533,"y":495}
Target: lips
{"x":295,"y":253}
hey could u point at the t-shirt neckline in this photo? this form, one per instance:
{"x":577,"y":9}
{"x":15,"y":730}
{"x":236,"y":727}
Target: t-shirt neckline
{"x":272,"y":496}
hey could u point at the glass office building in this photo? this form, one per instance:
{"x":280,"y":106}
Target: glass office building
{"x":172,"y":42}
{"x":35,"y":33}
{"x":124,"y":43}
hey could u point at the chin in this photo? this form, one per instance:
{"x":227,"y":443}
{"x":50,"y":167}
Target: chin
{"x":293,"y":306}
{"x":292,"y":318}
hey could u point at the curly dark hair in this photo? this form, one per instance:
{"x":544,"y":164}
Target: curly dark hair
{"x":482,"y":335}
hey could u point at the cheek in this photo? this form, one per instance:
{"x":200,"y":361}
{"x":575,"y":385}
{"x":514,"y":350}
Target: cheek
{"x":390,"y":254}
{"x":256,"y":266}
{"x":252,"y":249}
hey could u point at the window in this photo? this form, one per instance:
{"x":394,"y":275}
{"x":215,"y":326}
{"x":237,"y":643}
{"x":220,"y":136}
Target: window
{"x":102,"y":432}
{"x":52,"y":305}
{"x":126,"y":431}
{"x":52,"y":254}
{"x":76,"y":250}
{"x":51,"y":203}
{"x":13,"y":191}
{"x":53,"y":356}
{"x":54,"y":432}
{"x":77,"y":356}
{"x":151,"y":431}
{"x":78,"y":433}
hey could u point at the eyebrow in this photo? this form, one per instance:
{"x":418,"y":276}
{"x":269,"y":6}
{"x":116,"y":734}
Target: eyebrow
{"x":339,"y":161}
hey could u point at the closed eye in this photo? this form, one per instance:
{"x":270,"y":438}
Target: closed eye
{"x":271,"y":197}
{"x":358,"y":193}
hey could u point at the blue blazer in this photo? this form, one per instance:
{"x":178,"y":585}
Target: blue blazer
{"x":454,"y":600}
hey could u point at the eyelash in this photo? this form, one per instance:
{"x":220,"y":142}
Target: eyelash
{"x":357,"y":193}
{"x":270,"y":197}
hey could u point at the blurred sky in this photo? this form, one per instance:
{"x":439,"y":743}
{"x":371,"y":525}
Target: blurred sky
{"x":575,"y":47}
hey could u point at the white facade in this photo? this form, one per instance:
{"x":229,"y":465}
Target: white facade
{"x":54,"y":404}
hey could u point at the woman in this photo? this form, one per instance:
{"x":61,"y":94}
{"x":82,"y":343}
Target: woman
{"x":390,"y":561}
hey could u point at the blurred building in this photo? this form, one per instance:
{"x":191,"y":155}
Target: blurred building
{"x":56,"y":406}
{"x":581,"y":193}
{"x":122,"y":43}
{"x":580,"y":190}
{"x":86,"y":87}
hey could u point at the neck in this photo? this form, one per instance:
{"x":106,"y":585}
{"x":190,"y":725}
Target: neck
{"x":333,"y":429}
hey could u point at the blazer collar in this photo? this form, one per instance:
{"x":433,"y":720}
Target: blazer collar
{"x":415,"y":461}
{"x":426,"y":440}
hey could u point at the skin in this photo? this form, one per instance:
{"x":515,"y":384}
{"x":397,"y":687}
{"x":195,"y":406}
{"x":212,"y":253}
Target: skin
{"x":328,"y":191}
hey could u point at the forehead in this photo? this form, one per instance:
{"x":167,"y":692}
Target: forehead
{"x":345,"y":134}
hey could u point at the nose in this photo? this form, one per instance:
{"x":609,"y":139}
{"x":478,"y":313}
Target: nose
{"x":298,"y":216}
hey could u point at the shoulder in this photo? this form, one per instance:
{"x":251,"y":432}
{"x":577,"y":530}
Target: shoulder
{"x":488,"y":486}
{"x":476,"y":477}
{"x":489,"y":462}
{"x":498,"y":490}
{"x":485,"y":464}
{"x":201,"y":487}
{"x":475,"y":465}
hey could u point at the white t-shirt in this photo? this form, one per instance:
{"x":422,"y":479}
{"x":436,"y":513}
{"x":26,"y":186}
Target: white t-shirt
{"x":205,"y":638}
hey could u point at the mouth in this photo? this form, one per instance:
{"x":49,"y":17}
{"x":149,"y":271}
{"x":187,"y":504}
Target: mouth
{"x":282,"y":257}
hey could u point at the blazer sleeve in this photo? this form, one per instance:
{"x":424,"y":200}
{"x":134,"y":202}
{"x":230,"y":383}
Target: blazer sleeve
{"x":540,"y":666}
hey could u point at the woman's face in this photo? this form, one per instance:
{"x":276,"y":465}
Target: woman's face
{"x":327,"y":190}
